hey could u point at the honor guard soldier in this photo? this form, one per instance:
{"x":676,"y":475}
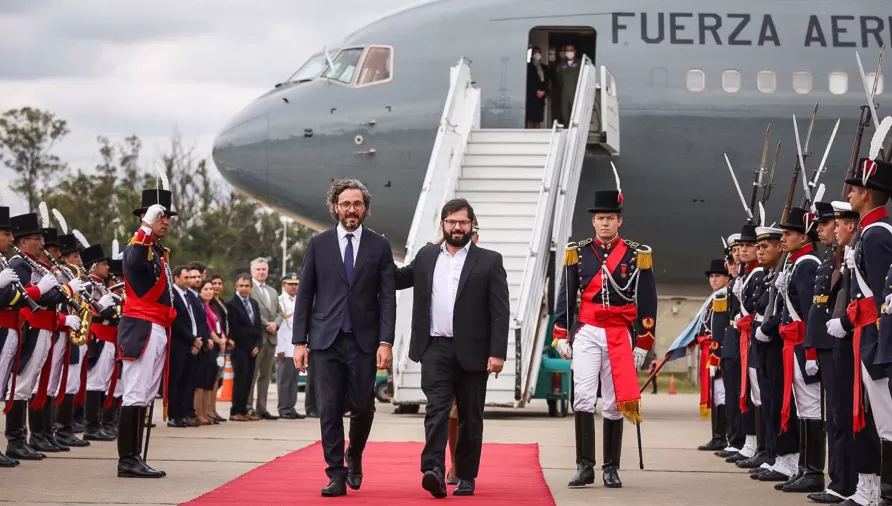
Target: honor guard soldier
{"x":748,"y":395}
{"x":143,"y":333}
{"x":101,"y":364}
{"x":37,"y":335}
{"x":616,"y":282}
{"x":868,"y":262}
{"x":712,"y":390}
{"x":12,"y":297}
{"x":75,"y":384}
{"x":731,"y":357}
{"x":841,"y":470}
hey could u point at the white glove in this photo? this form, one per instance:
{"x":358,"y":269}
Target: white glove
{"x":563,"y":347}
{"x":850,"y":258}
{"x":712,"y":371}
{"x":781,"y":282}
{"x":73,"y":322}
{"x":76,"y":285}
{"x":47,"y":283}
{"x":738,"y":290}
{"x":889,"y":304}
{"x":811,"y":367}
{"x":834,"y":328}
{"x":7,"y":277}
{"x":761,"y":335}
{"x":106,"y":300}
{"x":153,"y":213}
{"x":638,"y":355}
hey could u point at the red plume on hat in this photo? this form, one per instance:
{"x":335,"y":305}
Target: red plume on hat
{"x":619,"y":197}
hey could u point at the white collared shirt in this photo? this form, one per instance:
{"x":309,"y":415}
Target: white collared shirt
{"x":262,"y":289}
{"x":342,"y":241}
{"x":447,"y":274}
{"x":188,"y":308}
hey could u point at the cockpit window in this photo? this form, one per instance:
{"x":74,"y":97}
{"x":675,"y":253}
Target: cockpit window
{"x":344,"y":65}
{"x":309,"y":70}
{"x":376,"y":67}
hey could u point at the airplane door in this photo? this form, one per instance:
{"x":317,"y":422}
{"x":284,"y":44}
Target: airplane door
{"x":609,"y":109}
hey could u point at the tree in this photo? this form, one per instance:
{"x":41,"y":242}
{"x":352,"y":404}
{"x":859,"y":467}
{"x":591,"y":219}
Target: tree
{"x":28,"y":135}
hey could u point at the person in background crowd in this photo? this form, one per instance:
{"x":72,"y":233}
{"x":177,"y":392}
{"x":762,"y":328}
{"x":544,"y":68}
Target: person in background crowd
{"x":222,"y":312}
{"x":247,"y":333}
{"x":270,"y":319}
{"x":286,"y":373}
{"x":537,"y":89}
{"x":209,"y":366}
{"x":183,"y":352}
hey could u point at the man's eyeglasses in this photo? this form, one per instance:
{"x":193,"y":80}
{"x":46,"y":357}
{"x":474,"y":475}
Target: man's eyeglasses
{"x":347,"y":205}
{"x":453,"y":223}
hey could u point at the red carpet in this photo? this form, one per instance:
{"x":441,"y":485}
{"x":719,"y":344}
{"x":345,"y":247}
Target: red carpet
{"x":510,"y":474}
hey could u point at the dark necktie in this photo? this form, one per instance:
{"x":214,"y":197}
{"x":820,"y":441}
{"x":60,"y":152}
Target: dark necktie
{"x":348,"y":269}
{"x":248,"y":309}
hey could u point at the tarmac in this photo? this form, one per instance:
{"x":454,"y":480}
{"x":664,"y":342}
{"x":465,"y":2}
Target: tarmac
{"x":198,"y":460}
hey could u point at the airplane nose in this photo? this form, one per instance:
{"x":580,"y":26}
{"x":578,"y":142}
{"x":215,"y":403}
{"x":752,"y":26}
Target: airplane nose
{"x":240,"y":151}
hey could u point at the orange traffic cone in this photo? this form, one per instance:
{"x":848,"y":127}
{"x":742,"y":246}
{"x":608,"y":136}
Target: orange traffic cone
{"x":225,"y":392}
{"x":672,"y":385}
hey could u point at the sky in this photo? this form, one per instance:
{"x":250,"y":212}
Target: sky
{"x":152,"y":67}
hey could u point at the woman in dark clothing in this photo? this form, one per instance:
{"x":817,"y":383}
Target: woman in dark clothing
{"x":537,"y":89}
{"x":207,"y":370}
{"x":222,"y":313}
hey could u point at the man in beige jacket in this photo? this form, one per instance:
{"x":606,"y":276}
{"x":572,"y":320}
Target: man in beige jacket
{"x":270,"y":319}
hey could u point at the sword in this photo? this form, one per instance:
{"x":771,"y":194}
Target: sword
{"x":739,"y":192}
{"x":145,"y":452}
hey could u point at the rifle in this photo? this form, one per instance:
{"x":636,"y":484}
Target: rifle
{"x":766,"y":190}
{"x":760,"y":172}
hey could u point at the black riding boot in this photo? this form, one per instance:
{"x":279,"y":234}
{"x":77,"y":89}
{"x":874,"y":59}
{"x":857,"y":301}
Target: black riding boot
{"x":37,"y":438}
{"x":800,"y":472}
{"x":92,"y":411}
{"x":886,"y":471}
{"x":761,"y":456}
{"x":17,"y":435}
{"x":130,"y":463}
{"x":613,"y":447}
{"x":65,"y":435}
{"x":49,"y":424}
{"x":718,"y":441}
{"x":812,"y":479}
{"x":110,"y":419}
{"x":585,"y":450}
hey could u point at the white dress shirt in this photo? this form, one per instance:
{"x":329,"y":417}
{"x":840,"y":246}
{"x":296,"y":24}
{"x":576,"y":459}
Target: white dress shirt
{"x":188,"y":308}
{"x":261,"y":287}
{"x":447,"y":274}
{"x":283,"y":343}
{"x":342,"y":241}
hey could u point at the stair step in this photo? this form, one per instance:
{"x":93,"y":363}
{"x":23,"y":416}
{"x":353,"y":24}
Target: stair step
{"x":505,"y":209}
{"x":506,"y":161}
{"x":503,"y":135}
{"x":508,"y":149}
{"x":477,"y":198}
{"x":502,"y":221}
{"x":499,"y":185}
{"x":502,"y":173}
{"x":499,"y":235}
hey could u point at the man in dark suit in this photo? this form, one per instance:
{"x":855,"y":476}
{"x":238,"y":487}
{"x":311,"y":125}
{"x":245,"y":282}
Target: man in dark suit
{"x":244,"y":323}
{"x":345,"y":313}
{"x":183,"y":352}
{"x":460,"y":313}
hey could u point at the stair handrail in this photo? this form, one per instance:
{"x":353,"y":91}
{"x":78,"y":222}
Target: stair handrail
{"x":535,"y":272}
{"x":461,"y":114}
{"x":580,"y":121}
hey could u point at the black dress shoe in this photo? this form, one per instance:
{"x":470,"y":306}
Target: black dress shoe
{"x":92,"y":434}
{"x":713,"y":445}
{"x":754,"y":462}
{"x":78,"y":428}
{"x":188,"y":422}
{"x":335,"y":488}
{"x":269,"y":416}
{"x":312,"y":414}
{"x":789,"y":481}
{"x":133,"y":466}
{"x":737,"y":457}
{"x":433,"y":482}
{"x":465,"y":487}
{"x":724,"y":454}
{"x":7,"y":461}
{"x":354,"y":472}
{"x":773,"y":476}
{"x":824,"y":497}
{"x":611,"y":478}
{"x":71,"y":441}
{"x":21,"y":451}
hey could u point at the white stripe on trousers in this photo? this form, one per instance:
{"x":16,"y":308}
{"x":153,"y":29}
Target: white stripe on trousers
{"x":142,"y":377}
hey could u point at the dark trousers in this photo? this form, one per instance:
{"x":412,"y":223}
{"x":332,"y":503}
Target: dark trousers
{"x":769,"y":433}
{"x":180,"y":389}
{"x":442,"y":380}
{"x":345,"y":377}
{"x":788,"y":441}
{"x":731,"y":377}
{"x":839,"y":433}
{"x":310,"y":394}
{"x":242,"y":376}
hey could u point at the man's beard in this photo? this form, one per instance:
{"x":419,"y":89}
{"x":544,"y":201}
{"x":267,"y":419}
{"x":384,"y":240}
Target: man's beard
{"x":359,"y":218}
{"x":457,"y":243}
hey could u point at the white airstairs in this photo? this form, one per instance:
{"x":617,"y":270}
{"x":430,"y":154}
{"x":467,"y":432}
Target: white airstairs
{"x":522,"y":184}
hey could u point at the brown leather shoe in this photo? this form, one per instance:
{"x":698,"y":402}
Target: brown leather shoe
{"x":239,"y":418}
{"x":254,"y":418}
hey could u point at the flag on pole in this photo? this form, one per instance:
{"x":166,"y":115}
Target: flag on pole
{"x":689,"y":334}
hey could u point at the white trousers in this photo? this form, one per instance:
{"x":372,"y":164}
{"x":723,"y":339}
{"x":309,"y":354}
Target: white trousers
{"x":73,"y":385}
{"x":718,"y":393}
{"x":26,"y":383}
{"x":880,"y":403}
{"x":591,"y":367}
{"x":142,"y":377}
{"x":755,"y":393}
{"x":808,"y":397}
{"x":7,"y":356}
{"x":99,"y":377}
{"x":56,"y":368}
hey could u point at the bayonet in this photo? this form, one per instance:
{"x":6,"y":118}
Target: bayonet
{"x":798,"y":168}
{"x":766,"y":192}
{"x":737,"y":185}
{"x":760,"y":173}
{"x":801,"y":160}
{"x":821,"y":168}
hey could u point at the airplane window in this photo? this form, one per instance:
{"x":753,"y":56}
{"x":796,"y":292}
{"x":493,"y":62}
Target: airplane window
{"x":801,"y":82}
{"x":839,"y":83}
{"x":870,"y":77}
{"x":376,"y":67}
{"x":344,"y":65}
{"x":696,"y":80}
{"x":767,"y":81}
{"x":309,"y":70}
{"x":731,"y":81}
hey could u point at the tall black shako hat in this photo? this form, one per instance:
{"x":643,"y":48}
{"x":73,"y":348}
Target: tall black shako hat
{"x":608,"y":201}
{"x":717,"y":266}
{"x":873,"y":175}
{"x":802,"y":221}
{"x":159,"y":195}
{"x":823,"y":212}
{"x":24,"y":225}
{"x":748,"y":234}
{"x":93,"y":254}
{"x":68,"y":244}
{"x":5,"y":223}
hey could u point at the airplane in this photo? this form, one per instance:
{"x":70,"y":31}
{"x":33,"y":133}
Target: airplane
{"x":695,"y":81}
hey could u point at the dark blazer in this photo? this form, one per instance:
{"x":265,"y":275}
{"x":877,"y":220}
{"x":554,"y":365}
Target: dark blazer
{"x":201,"y":321}
{"x":182,"y":326}
{"x":482,"y":307}
{"x":246,"y":334}
{"x":325,"y":294}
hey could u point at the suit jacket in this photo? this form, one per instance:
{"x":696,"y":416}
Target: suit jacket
{"x":325,"y":294}
{"x":246,"y":334}
{"x":268,"y":312}
{"x":182,"y":326}
{"x":482,"y":307}
{"x":201,"y":321}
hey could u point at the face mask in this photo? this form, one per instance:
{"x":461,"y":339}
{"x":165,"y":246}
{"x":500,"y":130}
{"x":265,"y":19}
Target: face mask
{"x":570,"y":55}
{"x":537,"y":57}
{"x":551,"y":57}
{"x":562,"y":54}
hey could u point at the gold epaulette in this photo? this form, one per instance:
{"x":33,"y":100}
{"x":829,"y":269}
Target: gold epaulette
{"x":134,"y":242}
{"x":720,"y":304}
{"x":643,"y":255}
{"x":571,"y":254}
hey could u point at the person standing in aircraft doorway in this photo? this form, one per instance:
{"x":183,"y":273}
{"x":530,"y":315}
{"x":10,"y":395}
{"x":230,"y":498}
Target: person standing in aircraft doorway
{"x":537,"y":89}
{"x":566,"y":76}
